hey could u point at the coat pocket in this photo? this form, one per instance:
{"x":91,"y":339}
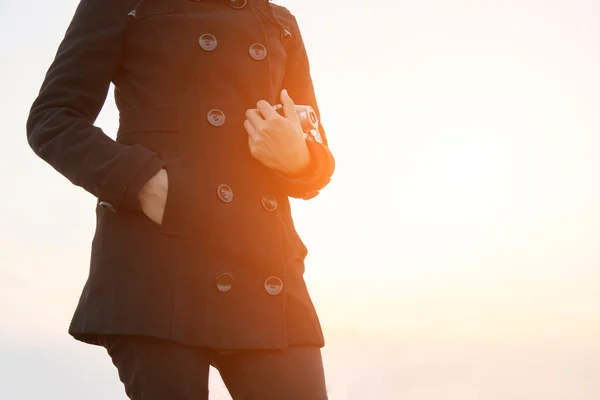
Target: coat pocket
{"x":153,"y":127}
{"x":152,"y":119}
{"x":157,"y":128}
{"x":175,"y":216}
{"x":149,"y":8}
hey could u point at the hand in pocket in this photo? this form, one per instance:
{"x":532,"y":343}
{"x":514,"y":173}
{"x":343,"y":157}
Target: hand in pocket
{"x":153,"y":196}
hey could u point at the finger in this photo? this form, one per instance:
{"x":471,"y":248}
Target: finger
{"x":267,"y":110}
{"x":252,"y":131}
{"x":254,"y":148}
{"x":255,"y":117}
{"x":289,"y":108}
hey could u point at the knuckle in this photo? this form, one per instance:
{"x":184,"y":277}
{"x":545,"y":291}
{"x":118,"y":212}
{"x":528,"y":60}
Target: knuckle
{"x":255,"y":151}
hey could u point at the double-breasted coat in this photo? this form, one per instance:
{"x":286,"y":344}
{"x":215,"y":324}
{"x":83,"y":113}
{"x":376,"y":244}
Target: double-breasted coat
{"x":225,"y":268}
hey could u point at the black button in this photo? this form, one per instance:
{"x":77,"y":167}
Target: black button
{"x":107,"y":206}
{"x":258,"y":51}
{"x":208,"y":42}
{"x":224,"y":282}
{"x":238,"y":4}
{"x":216,"y":117}
{"x":225,"y":193}
{"x":273,"y":285}
{"x":269,"y":202}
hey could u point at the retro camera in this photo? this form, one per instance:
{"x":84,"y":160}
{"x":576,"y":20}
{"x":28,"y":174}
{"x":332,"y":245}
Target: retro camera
{"x":306,"y":114}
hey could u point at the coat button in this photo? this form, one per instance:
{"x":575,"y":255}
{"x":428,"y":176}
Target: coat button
{"x":216,"y":117}
{"x":258,"y":51}
{"x":273,"y":286}
{"x":107,"y":206}
{"x":238,"y":4}
{"x":224,"y":282}
{"x":269,"y":202}
{"x":208,"y":42}
{"x":225,"y":193}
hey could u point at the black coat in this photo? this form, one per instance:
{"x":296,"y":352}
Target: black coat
{"x":225,"y":269}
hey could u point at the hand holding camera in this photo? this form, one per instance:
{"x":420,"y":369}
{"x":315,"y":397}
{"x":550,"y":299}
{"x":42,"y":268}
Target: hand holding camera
{"x":276,"y":134}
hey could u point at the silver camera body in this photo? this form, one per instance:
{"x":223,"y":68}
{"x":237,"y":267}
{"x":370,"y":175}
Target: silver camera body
{"x":308,"y":121}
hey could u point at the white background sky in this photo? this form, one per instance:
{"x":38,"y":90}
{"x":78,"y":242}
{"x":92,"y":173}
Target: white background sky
{"x":455,"y":253}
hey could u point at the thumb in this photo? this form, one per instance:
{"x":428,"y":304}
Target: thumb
{"x":289,"y":108}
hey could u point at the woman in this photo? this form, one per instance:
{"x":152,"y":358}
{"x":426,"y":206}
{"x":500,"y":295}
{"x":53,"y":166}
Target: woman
{"x":195,"y":260}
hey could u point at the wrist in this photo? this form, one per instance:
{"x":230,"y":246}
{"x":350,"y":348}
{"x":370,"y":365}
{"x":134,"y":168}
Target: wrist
{"x":302,"y":162}
{"x":132,"y":194}
{"x":155,"y":185}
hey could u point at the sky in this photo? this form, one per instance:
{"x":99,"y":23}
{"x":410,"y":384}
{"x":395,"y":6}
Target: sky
{"x":454,"y":254}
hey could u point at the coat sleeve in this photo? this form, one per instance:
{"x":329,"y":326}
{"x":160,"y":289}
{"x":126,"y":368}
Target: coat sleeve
{"x":60,"y":127}
{"x":298,"y":82}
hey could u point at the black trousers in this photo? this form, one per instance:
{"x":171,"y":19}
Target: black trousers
{"x":151,"y":369}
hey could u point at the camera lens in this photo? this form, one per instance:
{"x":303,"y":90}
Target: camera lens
{"x":313,"y":118}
